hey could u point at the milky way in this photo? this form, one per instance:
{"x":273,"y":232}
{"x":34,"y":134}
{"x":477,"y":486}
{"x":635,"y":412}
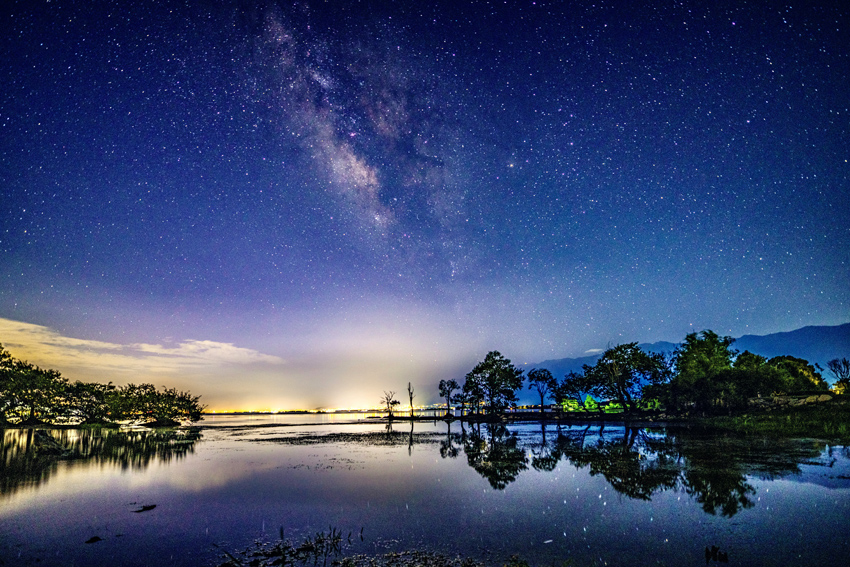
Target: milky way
{"x":381,"y":191}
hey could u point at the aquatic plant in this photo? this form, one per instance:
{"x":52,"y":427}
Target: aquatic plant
{"x":313,"y":550}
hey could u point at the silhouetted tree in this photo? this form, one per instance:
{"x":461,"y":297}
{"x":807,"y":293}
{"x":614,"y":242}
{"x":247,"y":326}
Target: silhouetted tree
{"x":473,"y":391}
{"x":699,"y":360}
{"x":622,"y":372}
{"x":498,"y":381}
{"x":446,"y":389}
{"x":143,"y":403}
{"x":390,"y":402}
{"x":410,"y":394}
{"x":463,"y":399}
{"x":34,"y":395}
{"x":841,"y":370}
{"x":572,"y":387}
{"x":541,"y":380}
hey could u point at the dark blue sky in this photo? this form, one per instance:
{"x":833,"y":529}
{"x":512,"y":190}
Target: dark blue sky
{"x":383,"y":192}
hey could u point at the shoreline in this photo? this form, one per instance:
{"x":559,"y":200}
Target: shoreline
{"x":826,"y":420}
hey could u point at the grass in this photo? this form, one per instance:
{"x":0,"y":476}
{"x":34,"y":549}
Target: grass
{"x":829,"y":421}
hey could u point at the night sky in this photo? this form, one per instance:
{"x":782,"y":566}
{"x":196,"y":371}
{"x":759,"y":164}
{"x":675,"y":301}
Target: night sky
{"x":298,"y":205}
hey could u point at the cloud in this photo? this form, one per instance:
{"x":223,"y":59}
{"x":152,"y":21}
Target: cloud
{"x":207,"y":352}
{"x":84,"y":359}
{"x":593,"y":351}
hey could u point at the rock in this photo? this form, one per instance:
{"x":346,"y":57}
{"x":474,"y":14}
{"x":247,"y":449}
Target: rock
{"x":824,"y":398}
{"x":47,"y":445}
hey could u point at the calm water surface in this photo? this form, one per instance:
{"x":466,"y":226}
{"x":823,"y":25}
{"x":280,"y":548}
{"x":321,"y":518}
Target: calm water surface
{"x":594,"y":496}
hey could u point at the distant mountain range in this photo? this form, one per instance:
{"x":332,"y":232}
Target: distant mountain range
{"x":815,"y":344}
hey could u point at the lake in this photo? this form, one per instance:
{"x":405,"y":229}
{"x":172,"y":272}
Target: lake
{"x":584,"y":495}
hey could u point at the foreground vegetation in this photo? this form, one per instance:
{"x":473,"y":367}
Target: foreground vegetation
{"x":325,"y":548}
{"x":823,"y":421}
{"x":32,"y":396}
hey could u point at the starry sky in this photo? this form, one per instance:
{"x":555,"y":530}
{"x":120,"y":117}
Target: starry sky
{"x":283,"y":205}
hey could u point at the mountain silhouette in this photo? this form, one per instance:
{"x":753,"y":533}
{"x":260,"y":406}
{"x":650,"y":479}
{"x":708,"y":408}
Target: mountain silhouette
{"x":817,"y":344}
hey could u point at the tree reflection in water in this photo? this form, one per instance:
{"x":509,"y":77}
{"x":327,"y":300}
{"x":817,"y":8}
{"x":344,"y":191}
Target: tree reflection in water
{"x":715,"y":479}
{"x":447,"y":446}
{"x":495,"y":454}
{"x":712,"y":468}
{"x":633,"y":465}
{"x":544,"y":457}
{"x":638,"y":463}
{"x":29,"y":457}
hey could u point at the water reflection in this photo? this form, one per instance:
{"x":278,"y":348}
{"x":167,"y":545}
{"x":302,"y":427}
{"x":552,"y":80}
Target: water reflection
{"x":495,"y":454}
{"x":30,"y":457}
{"x":447,"y":445}
{"x":632,"y":463}
{"x":714,"y":470}
{"x":638,"y":463}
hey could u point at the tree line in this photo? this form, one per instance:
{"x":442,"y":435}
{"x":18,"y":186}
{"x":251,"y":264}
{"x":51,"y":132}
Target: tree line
{"x":704,"y":374}
{"x":32,"y":395}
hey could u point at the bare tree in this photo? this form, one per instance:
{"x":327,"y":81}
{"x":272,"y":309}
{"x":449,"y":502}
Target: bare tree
{"x":389,"y":401}
{"x":840,"y":368}
{"x":410,"y":394}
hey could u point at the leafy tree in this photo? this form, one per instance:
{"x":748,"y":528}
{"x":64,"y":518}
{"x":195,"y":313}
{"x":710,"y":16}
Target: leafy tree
{"x":36,"y":395}
{"x":572,"y":387}
{"x":557,"y":394}
{"x":750,"y":376}
{"x":390,"y":402}
{"x":473,"y":391}
{"x":37,"y":392}
{"x":463,"y":399}
{"x":177,"y":405}
{"x":590,"y":404}
{"x":841,"y":370}
{"x":541,"y":380}
{"x":699,"y":360}
{"x":660,"y":390}
{"x":749,"y":361}
{"x":144,"y":403}
{"x":7,"y":398}
{"x":498,"y":380}
{"x":135,"y":402}
{"x":446,"y":389}
{"x":92,"y":402}
{"x":622,"y":372}
{"x":797,"y":374}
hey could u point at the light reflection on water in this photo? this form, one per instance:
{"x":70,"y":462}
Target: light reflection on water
{"x":621,"y":496}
